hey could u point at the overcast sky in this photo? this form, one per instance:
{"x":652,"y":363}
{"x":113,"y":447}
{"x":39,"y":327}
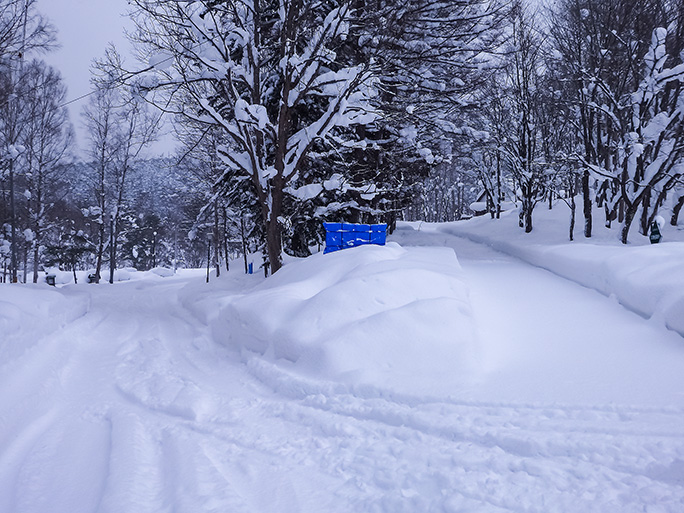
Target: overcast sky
{"x":85,"y":27}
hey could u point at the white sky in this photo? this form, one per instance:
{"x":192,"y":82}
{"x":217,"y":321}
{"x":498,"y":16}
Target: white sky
{"x":85,"y":27}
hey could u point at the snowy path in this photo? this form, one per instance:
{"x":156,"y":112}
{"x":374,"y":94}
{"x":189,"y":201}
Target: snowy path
{"x":133,"y":407}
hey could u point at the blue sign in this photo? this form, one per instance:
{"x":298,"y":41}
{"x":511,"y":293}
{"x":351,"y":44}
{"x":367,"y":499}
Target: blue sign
{"x":347,"y":235}
{"x":655,"y":235}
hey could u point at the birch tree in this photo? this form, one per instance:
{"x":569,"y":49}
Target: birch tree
{"x":120,"y":128}
{"x":48,"y":137}
{"x":22,"y":31}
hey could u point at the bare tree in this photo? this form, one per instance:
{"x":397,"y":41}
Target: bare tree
{"x":48,"y":137}
{"x":22,"y":30}
{"x":516,"y":117}
{"x":120,"y":128}
{"x":101,"y":124}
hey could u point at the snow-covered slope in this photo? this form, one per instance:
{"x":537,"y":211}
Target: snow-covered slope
{"x":392,"y":379}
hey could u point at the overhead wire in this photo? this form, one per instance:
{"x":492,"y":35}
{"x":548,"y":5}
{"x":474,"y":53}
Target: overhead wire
{"x":118,"y":82}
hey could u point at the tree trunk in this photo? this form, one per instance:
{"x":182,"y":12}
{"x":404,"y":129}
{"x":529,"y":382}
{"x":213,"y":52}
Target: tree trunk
{"x":621,"y":210}
{"x":13,"y":225}
{"x":274,"y":242}
{"x":100,"y":251}
{"x":573,"y":208}
{"x":225,"y":239}
{"x":646,"y":203}
{"x":25,"y":264}
{"x":528,"y":218}
{"x":499,"y":197}
{"x":630,"y":212}
{"x":244,"y":242}
{"x":586,"y":196}
{"x":112,"y":248}
{"x":675,"y":211}
{"x":36,"y":255}
{"x":217,"y":244}
{"x":208,"y":259}
{"x":491,"y":205}
{"x":656,"y":208}
{"x":611,"y":214}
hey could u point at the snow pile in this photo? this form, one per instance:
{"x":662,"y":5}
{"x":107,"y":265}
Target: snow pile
{"x":647,"y":279}
{"x":120,"y":275}
{"x":61,"y":277}
{"x":28,"y":313}
{"x":163,"y":272}
{"x":388,"y":317}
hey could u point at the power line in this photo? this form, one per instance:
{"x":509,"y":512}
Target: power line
{"x":114,"y":83}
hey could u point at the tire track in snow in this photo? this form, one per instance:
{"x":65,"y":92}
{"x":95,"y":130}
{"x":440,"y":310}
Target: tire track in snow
{"x":89,"y":429}
{"x":183,"y":426}
{"x":14,"y":452}
{"x":570,"y":457}
{"x":545,"y":452}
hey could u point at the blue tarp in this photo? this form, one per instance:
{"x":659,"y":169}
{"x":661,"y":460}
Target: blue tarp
{"x":347,"y":235}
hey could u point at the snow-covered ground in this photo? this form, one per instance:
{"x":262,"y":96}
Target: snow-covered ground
{"x":646,"y":278}
{"x":431,"y":375}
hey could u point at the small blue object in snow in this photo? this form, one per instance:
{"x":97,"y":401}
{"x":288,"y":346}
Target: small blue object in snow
{"x":347,"y":235}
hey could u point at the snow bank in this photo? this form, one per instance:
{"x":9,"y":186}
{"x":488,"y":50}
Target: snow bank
{"x":163,"y":272}
{"x":120,"y":275}
{"x":30,"y":312}
{"x":388,"y":317}
{"x":647,"y":279}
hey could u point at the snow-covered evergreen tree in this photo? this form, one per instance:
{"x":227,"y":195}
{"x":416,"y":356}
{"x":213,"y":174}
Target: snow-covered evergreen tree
{"x":252,"y":68}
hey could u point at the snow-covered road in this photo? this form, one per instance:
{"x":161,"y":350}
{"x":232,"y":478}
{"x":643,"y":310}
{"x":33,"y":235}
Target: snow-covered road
{"x":130,"y":405}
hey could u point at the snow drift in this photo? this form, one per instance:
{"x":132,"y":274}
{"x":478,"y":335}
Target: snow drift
{"x":647,"y":279}
{"x":370,"y":315}
{"x":32,"y":312}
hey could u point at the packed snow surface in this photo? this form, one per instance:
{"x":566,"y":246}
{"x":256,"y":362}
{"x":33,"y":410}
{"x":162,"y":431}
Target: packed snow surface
{"x":430,"y":375}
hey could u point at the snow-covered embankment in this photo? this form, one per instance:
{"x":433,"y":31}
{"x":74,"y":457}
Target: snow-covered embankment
{"x":647,"y":279}
{"x":372,"y":316}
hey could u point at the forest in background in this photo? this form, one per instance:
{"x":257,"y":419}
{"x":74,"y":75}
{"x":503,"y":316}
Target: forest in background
{"x":295,"y":112}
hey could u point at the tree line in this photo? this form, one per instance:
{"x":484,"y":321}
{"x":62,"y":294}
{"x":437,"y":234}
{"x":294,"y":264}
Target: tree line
{"x":293,"y":112}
